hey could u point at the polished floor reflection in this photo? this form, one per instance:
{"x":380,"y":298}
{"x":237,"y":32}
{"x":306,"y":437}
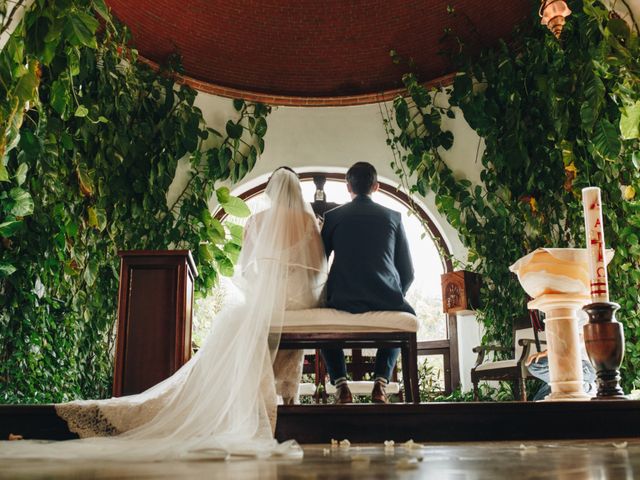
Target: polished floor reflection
{"x":566,"y":460}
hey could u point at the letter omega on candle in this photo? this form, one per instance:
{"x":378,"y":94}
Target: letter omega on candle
{"x":595,"y":244}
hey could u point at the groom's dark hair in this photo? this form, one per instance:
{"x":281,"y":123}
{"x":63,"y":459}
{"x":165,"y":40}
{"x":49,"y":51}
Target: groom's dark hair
{"x":361,"y":177}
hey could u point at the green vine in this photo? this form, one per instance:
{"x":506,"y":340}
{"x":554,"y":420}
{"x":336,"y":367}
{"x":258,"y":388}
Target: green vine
{"x":92,"y":141}
{"x":555,"y":117}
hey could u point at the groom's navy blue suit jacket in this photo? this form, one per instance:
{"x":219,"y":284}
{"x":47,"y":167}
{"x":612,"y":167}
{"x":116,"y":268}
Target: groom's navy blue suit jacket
{"x":372,"y":268}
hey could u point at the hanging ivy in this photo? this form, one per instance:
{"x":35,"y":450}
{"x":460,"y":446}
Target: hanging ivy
{"x":555,"y":117}
{"x":92,"y":141}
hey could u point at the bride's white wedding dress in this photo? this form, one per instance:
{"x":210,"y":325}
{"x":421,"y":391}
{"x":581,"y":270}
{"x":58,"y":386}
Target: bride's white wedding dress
{"x":223,"y":401}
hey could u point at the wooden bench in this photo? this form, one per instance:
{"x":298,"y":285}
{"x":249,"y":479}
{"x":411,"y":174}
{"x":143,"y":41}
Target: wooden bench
{"x":328,"y":328}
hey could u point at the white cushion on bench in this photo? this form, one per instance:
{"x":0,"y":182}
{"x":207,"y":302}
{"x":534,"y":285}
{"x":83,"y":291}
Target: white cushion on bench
{"x":329,"y":320}
{"x":357,"y":388}
{"x":364,"y":387}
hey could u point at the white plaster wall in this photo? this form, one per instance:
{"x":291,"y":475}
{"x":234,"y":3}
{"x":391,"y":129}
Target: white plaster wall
{"x":17,"y":17}
{"x":333,"y":138}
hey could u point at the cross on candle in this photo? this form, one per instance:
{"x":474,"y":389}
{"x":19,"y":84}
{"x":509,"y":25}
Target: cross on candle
{"x":595,"y":244}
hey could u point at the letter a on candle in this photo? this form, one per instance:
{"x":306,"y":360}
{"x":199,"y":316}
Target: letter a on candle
{"x":595,"y":244}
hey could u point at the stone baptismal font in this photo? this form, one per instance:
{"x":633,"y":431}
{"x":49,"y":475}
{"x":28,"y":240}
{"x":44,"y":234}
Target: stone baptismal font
{"x":561,"y":282}
{"x":558,"y":281}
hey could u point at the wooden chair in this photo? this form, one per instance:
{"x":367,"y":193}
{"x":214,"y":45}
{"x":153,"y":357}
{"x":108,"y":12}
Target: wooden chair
{"x":514,"y":369}
{"x":328,"y":328}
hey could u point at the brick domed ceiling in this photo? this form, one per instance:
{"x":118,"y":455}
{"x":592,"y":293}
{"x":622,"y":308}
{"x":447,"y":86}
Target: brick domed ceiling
{"x":309,"y":48}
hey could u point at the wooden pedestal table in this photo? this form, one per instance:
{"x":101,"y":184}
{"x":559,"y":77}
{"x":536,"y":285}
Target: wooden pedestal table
{"x":563,"y":344}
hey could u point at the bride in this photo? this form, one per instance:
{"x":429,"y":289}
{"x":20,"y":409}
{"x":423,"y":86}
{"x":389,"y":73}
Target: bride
{"x":223,"y":401}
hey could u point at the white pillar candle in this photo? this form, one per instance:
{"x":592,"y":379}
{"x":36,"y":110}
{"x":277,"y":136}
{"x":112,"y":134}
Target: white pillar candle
{"x":595,"y":244}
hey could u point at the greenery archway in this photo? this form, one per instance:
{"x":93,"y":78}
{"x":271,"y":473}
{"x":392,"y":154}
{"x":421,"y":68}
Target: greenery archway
{"x":92,"y":141}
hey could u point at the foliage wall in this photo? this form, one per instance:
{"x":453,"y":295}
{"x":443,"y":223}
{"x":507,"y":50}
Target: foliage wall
{"x":92,"y":140}
{"x":555,"y":116}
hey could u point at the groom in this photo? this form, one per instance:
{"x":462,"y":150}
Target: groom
{"x":371,"y":270}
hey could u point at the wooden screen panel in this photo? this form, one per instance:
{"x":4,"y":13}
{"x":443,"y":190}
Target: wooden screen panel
{"x":150,"y":340}
{"x":154,"y":318}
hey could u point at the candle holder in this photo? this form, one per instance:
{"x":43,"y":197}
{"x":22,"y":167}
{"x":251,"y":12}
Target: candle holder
{"x":604,"y":341}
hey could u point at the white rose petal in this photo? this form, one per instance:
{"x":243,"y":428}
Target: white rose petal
{"x":345,"y":443}
{"x":411,"y":445}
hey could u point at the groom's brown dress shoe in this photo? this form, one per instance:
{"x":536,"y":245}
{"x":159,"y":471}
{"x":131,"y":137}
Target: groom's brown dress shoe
{"x":378,"y":394}
{"x":343,"y":394}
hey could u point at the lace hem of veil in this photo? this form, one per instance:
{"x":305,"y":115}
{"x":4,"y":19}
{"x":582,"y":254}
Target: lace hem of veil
{"x":106,"y":418}
{"x":86,"y":420}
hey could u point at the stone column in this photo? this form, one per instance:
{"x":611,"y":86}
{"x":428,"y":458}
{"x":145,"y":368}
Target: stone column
{"x":563,"y":344}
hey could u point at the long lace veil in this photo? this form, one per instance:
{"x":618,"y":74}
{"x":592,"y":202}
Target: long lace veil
{"x":223,"y":401}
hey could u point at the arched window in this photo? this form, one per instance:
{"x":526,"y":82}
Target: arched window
{"x":437,"y":336}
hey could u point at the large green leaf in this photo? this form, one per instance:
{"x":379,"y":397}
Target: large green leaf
{"x":60,"y":96}
{"x":73,"y":61}
{"x":26,"y":87}
{"x":97,"y":218}
{"x":402,"y":113}
{"x":30,"y":143}
{"x":80,"y":29}
{"x":619,"y":28}
{"x":6,"y":269}
{"x":204,"y":252}
{"x":23,"y":202}
{"x":234,"y":130}
{"x":238,"y":104}
{"x":102,"y":9}
{"x":237,"y":233}
{"x":606,"y":140}
{"x":261,"y":127}
{"x":4,"y":173}
{"x":225,"y":265}
{"x":630,"y":121}
{"x":52,"y":41}
{"x":223,"y":194}
{"x":81,"y":111}
{"x":236,"y":207}
{"x":9,"y":227}
{"x":21,"y":173}
{"x":91,"y":272}
{"x":85,"y":179}
{"x":215,"y":231}
{"x":233,"y":251}
{"x":594,"y":94}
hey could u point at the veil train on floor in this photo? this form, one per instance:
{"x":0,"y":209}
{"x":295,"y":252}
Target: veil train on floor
{"x":223,"y":401}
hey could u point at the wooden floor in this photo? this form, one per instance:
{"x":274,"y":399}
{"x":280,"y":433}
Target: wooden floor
{"x":433,"y":422}
{"x":565,"y":460}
